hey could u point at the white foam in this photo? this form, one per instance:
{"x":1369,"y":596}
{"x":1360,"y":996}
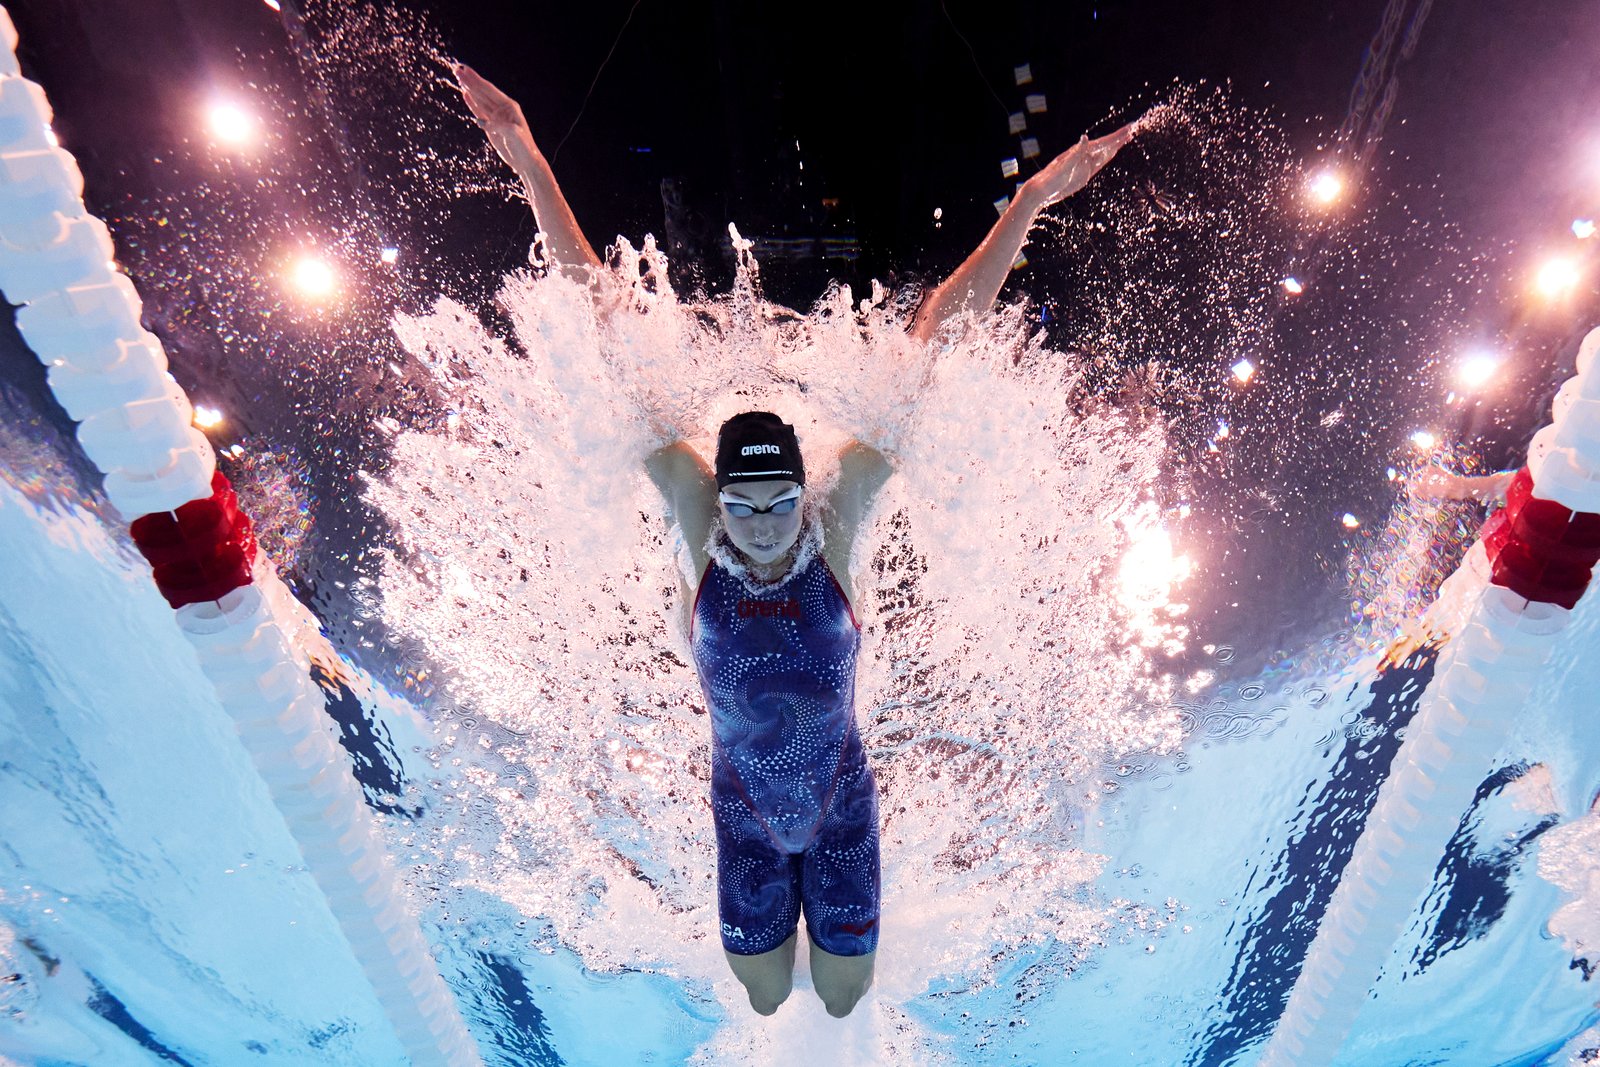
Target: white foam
{"x":1001,"y":663}
{"x":1567,"y":860}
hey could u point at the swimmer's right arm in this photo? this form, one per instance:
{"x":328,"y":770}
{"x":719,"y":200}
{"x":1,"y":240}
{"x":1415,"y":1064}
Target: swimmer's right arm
{"x":1436,"y":483}
{"x":690,"y":490}
{"x":502,"y":120}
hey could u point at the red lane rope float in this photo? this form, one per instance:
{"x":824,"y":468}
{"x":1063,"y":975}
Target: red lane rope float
{"x":201,"y":552}
{"x":1514,"y":598}
{"x":81,"y":316}
{"x":1539,"y":549}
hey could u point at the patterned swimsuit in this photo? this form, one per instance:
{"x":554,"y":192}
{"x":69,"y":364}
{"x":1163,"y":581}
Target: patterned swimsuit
{"x":795,"y":804}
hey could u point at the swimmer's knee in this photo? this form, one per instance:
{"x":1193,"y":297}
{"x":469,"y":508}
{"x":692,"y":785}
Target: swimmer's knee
{"x":842,"y":1002}
{"x":841,"y":998}
{"x":767,"y":996}
{"x":840,"y":1008}
{"x":764,"y":1006}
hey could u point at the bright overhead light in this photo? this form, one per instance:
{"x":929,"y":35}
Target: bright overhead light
{"x":1293,"y":286}
{"x":1557,"y":277}
{"x":1243,"y":371}
{"x":313,"y":277}
{"x":1424,"y":440}
{"x":230,"y":123}
{"x":1583,"y":228}
{"x":1326,"y":187}
{"x":1477,"y":369}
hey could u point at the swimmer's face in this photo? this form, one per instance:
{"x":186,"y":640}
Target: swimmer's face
{"x":762,"y":518}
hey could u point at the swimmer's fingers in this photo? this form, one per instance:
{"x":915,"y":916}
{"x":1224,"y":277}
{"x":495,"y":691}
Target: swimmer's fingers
{"x":489,"y":106}
{"x":1433,"y":483}
{"x":1073,"y":169}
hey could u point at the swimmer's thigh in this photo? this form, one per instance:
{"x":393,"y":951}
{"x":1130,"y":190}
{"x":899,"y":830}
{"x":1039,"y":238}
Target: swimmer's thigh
{"x":840,"y":871}
{"x":758,"y":887}
{"x":767,"y":978}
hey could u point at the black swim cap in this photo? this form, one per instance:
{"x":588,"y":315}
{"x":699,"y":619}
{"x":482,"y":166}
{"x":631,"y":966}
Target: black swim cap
{"x":757,"y":446}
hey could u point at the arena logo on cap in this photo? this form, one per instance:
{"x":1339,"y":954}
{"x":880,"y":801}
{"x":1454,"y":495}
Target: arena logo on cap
{"x":760,"y":450}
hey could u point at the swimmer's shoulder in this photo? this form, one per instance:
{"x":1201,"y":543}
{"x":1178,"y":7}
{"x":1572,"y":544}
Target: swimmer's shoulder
{"x":690,"y":491}
{"x":863,"y":472}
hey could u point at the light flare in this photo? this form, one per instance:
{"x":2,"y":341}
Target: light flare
{"x":1478,"y":369}
{"x":1583,"y":229}
{"x":1293,"y":286}
{"x":230,"y":123}
{"x":1146,"y":577}
{"x":313,"y":277}
{"x":206,"y":418}
{"x":1243,"y":371}
{"x":1424,"y":440}
{"x":1557,"y":277}
{"x":1326,"y":187}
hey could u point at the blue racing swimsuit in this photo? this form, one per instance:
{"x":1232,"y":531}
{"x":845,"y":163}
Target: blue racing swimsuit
{"x":795,"y":804}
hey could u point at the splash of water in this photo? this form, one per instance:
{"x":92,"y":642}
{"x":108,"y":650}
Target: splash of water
{"x":1002,"y":662}
{"x":274,"y":490}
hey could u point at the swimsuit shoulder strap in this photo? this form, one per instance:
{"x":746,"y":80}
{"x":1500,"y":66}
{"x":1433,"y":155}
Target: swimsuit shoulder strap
{"x":839,"y":588}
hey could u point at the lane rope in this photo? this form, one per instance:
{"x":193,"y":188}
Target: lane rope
{"x":81,"y":315}
{"x":1529,"y":568}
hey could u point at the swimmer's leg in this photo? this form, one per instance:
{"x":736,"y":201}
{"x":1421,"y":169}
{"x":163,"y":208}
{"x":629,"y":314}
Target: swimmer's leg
{"x":758,"y":897}
{"x":768,"y":978}
{"x":840,"y":886}
{"x":841,"y":981}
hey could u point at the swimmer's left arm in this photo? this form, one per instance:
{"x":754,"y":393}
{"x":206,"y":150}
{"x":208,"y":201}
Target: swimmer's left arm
{"x":863,"y":470}
{"x":976,"y":283}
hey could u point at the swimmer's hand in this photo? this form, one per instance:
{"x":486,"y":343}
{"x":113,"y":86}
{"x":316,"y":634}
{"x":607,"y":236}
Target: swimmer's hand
{"x":502,"y":119}
{"x":500,"y":116}
{"x":1433,"y":483}
{"x":1436,"y":483}
{"x":1072,"y":169}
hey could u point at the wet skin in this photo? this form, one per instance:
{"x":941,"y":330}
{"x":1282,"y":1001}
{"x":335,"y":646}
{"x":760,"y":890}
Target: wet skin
{"x":766,"y":540}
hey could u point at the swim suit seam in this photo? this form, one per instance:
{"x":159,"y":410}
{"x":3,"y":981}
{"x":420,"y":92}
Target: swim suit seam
{"x":833,"y":785}
{"x":744,"y":795}
{"x":847,"y":605}
{"x":694,"y":609}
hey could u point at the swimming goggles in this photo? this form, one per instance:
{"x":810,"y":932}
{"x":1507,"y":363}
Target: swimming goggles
{"x":781,"y":506}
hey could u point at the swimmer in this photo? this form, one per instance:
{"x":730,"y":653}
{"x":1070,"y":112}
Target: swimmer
{"x":1436,"y":483}
{"x":772,"y":628}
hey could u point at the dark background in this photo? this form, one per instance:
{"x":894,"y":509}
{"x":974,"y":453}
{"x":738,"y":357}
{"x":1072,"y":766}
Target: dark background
{"x":897,"y":108}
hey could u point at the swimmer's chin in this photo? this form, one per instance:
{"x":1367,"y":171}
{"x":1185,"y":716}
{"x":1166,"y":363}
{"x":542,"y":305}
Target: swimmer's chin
{"x":764,"y":553}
